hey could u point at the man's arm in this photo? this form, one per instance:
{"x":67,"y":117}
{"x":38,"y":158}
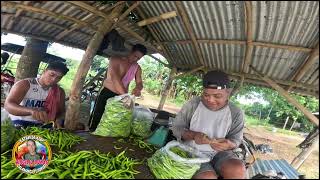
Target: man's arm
{"x":114,"y":67}
{"x":139,"y":84}
{"x":16,"y":95}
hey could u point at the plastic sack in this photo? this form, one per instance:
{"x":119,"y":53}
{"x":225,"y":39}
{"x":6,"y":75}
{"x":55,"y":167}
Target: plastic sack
{"x":142,"y":121}
{"x":117,"y":117}
{"x":166,"y":163}
{"x":7,"y":131}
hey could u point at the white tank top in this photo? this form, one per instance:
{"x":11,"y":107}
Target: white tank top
{"x":35,"y":98}
{"x":215,"y":124}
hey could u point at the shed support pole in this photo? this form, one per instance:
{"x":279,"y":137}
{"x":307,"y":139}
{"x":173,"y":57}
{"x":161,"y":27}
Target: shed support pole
{"x":167,"y":88}
{"x":32,"y":54}
{"x":290,"y":99}
{"x":72,"y":114}
{"x":299,"y":160}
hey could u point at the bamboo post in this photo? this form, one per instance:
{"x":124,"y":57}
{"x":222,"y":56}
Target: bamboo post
{"x":285,"y":124}
{"x":30,"y":59}
{"x":290,"y":99}
{"x":299,"y":160}
{"x":167,"y":88}
{"x":72,"y":114}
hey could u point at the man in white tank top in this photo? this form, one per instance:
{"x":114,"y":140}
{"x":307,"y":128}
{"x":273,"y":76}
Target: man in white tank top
{"x":214,"y":126}
{"x":26,"y":100}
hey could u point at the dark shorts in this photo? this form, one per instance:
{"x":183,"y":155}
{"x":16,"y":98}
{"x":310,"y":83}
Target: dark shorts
{"x":217,"y":161}
{"x":99,"y":108}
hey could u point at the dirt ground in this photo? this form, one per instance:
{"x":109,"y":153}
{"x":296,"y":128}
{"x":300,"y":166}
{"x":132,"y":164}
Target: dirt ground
{"x":284,"y":146}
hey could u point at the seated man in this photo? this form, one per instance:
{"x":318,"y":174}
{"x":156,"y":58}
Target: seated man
{"x":214,"y":126}
{"x":121,"y":71}
{"x":37,"y":101}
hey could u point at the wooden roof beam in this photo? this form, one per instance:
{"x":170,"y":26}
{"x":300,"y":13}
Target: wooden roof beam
{"x":237,"y":42}
{"x":46,"y":12}
{"x":155,"y":58}
{"x":290,"y":99}
{"x":160,"y":47}
{"x":189,"y":72}
{"x":311,"y":59}
{"x":157,"y":18}
{"x":88,"y":19}
{"x":189,"y":29}
{"x":42,"y":22}
{"x":249,"y":29}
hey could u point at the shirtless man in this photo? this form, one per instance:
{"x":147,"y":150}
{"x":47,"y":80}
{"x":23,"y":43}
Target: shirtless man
{"x":120,"y":72}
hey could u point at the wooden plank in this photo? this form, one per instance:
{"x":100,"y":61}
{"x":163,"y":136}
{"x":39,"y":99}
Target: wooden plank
{"x":278,"y":46}
{"x":167,"y":88}
{"x":157,"y":18}
{"x":72,"y":114}
{"x":189,"y":29}
{"x":46,"y":12}
{"x":290,"y":99}
{"x":249,"y":29}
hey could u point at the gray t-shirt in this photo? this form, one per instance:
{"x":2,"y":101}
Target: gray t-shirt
{"x":234,"y":133}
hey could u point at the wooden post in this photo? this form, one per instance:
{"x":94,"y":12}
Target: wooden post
{"x":285,"y":124}
{"x":290,"y":99}
{"x":72,"y":114}
{"x":292,"y":124}
{"x":167,"y":88}
{"x":32,"y":54}
{"x":298,"y":161}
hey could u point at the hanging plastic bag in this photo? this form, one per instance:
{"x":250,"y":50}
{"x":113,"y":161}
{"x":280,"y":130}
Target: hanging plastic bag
{"x":176,"y":161}
{"x":117,"y":117}
{"x":7,"y":131}
{"x":142,"y":121}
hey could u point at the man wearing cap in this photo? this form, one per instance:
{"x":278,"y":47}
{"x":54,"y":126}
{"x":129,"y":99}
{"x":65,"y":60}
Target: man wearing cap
{"x":214,"y":126}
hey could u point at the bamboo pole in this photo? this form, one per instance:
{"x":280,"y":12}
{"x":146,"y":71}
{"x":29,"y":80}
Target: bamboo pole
{"x":89,"y":18}
{"x":167,"y":88}
{"x":299,"y":160}
{"x":238,"y":42}
{"x":166,"y":65}
{"x":72,"y":114}
{"x":46,"y":12}
{"x":154,"y":35}
{"x":291,"y":100}
{"x":189,"y":29}
{"x":189,"y":72}
{"x":311,"y":59}
{"x":157,"y":18}
{"x":249,"y":29}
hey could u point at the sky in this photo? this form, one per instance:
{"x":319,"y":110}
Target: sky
{"x":55,"y":48}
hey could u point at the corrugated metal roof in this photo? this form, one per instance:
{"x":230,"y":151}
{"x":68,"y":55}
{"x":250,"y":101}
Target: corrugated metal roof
{"x":279,"y":165}
{"x":294,"y":23}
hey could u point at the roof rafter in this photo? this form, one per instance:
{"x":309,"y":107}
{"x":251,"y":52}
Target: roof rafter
{"x":189,"y":29}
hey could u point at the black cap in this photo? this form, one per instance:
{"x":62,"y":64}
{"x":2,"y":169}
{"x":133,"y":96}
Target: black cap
{"x":216,"y":80}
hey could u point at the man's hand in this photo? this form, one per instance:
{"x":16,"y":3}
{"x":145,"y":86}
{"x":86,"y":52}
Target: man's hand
{"x":136,"y":92}
{"x":41,"y":116}
{"x":222,"y":144}
{"x":201,"y":138}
